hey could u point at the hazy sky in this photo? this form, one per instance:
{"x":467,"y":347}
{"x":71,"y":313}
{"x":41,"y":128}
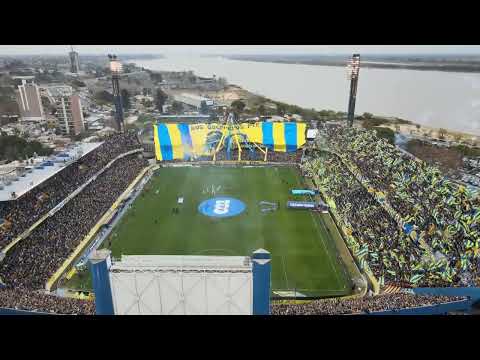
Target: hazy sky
{"x":240,"y":49}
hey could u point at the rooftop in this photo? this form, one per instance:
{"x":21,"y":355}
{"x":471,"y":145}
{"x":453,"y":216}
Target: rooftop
{"x":43,"y":169}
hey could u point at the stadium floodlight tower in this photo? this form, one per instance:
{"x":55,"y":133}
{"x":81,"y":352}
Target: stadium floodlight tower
{"x":116,"y":69}
{"x":353,"y":69}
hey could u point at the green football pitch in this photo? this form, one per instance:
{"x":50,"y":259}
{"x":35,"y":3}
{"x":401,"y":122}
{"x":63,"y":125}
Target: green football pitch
{"x":304,"y":257}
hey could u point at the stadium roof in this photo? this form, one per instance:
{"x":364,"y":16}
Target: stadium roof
{"x":43,"y":170}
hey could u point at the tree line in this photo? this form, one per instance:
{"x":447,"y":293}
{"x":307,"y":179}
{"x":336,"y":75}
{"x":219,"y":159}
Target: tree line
{"x":13,"y":147}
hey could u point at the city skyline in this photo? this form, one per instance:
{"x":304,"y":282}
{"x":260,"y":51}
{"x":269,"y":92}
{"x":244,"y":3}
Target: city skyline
{"x":12,"y":50}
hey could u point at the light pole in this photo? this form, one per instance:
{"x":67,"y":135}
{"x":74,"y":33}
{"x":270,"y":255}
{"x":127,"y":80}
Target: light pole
{"x":116,"y":69}
{"x":353,"y":69}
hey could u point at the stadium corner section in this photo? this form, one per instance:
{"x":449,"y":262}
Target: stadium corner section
{"x":67,"y":264}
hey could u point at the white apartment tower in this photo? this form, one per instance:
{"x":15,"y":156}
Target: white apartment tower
{"x":74,"y":63}
{"x":69,"y":110}
{"x":30,"y":102}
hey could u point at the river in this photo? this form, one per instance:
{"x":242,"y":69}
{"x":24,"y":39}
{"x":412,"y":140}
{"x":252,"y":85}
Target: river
{"x":434,"y":98}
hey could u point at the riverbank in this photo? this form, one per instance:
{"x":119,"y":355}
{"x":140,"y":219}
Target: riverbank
{"x":258,"y":105}
{"x":446,"y":66}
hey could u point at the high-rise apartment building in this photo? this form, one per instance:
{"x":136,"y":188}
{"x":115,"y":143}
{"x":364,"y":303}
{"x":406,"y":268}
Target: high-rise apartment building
{"x":69,"y":110}
{"x":74,"y":63}
{"x":30,"y":102}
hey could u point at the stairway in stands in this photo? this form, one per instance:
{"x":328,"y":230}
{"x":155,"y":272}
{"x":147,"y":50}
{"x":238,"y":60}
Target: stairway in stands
{"x":394,"y":289}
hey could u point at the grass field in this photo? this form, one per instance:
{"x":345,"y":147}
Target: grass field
{"x":303,"y":252}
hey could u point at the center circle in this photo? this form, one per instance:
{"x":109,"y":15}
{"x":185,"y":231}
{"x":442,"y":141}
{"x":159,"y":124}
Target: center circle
{"x":221,"y":207}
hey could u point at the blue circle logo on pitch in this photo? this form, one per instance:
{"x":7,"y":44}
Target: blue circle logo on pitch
{"x":221,"y":207}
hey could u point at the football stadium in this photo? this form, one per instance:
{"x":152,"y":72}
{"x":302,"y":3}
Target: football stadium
{"x":240,"y":218}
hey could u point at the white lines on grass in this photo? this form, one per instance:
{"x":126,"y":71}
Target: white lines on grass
{"x":325,"y":248}
{"x":321,"y":237}
{"x":285,"y":270}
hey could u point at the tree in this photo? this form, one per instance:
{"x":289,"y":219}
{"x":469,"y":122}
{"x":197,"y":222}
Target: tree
{"x":203,"y":108}
{"x":261,"y":110}
{"x":155,"y":77}
{"x":16,"y":148}
{"x":177,"y":107}
{"x":160,"y":98}
{"x":238,"y":106}
{"x":458,"y":137}
{"x":125,"y":99}
{"x":441,"y":133}
{"x":385,"y":133}
{"x":103,"y":97}
{"x":281,"y":109}
{"x":78,"y":83}
{"x":367,"y":115}
{"x":147,"y":103}
{"x":222,"y":82}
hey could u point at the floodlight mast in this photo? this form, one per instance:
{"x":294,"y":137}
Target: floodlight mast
{"x":353,"y":69}
{"x":116,"y":69}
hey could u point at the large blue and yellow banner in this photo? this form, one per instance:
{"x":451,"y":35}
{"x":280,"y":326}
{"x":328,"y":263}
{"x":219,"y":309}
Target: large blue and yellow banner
{"x":186,"y":141}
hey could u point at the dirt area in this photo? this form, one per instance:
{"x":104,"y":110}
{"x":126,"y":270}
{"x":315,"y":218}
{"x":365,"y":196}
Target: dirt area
{"x":434,"y":133}
{"x":226,"y":96}
{"x":446,"y":159}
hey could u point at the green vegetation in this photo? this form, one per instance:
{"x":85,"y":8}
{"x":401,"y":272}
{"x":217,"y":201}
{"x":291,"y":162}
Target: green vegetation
{"x":8,"y":105}
{"x":441,"y":133}
{"x":177,"y":107}
{"x":53,"y":77}
{"x":238,"y":106}
{"x":103,"y":97}
{"x":467,"y":150}
{"x":203,"y":108}
{"x":385,"y":133}
{"x":303,"y":252}
{"x":145,"y":119}
{"x":160,"y":99}
{"x":17,"y":148}
{"x":370,"y":122}
{"x":78,"y":83}
{"x":155,"y":76}
{"x":126,"y":102}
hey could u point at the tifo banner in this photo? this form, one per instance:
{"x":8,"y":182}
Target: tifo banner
{"x":184,"y":141}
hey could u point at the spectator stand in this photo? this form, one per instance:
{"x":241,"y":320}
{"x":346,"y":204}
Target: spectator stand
{"x":463,"y":306}
{"x":359,"y":278}
{"x":87,"y":240}
{"x":52,"y":212}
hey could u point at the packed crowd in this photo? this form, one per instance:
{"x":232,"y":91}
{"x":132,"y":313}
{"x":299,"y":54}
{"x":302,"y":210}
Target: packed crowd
{"x":404,"y":218}
{"x":362,"y":305}
{"x":18,"y":299}
{"x":33,"y":261}
{"x":22,"y":213}
{"x":257,"y":155}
